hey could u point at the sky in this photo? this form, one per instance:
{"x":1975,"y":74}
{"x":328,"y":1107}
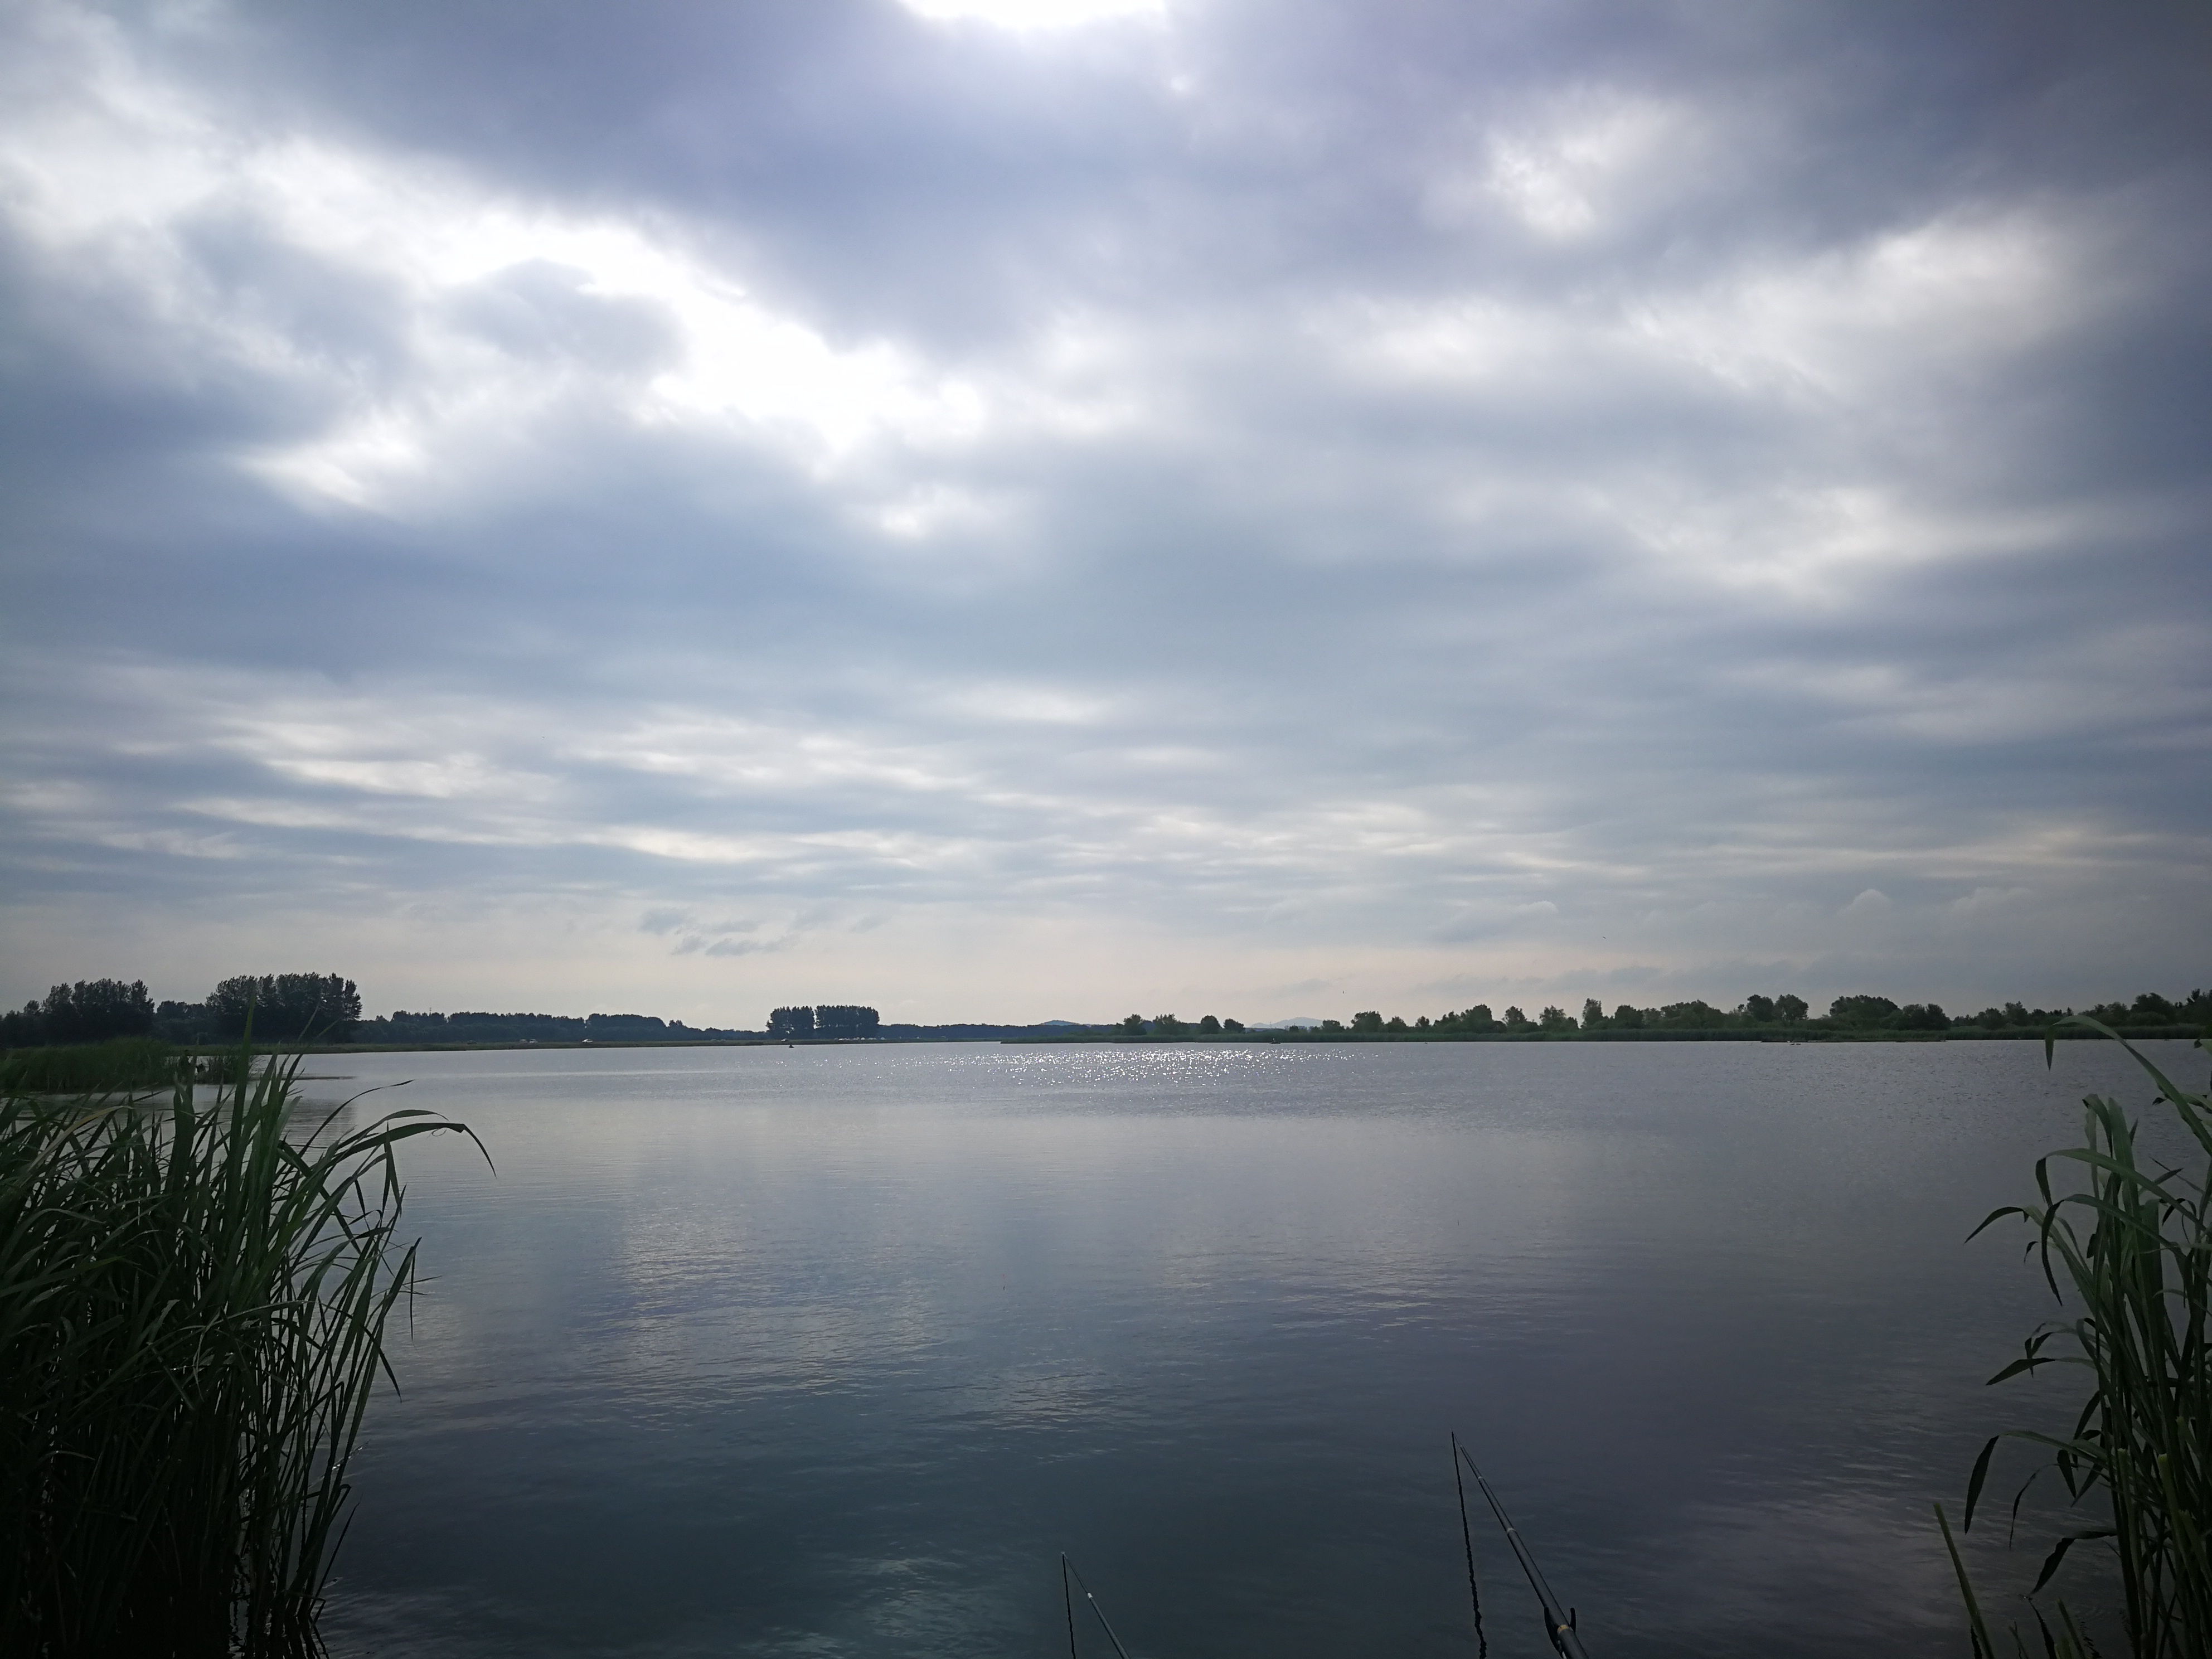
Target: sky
{"x":1025,"y":509}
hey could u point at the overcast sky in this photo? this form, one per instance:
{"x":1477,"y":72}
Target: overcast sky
{"x":1004,"y":510}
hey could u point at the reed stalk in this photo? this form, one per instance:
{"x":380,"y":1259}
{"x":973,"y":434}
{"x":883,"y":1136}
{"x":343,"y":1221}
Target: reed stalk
{"x":133,"y":1062}
{"x":2133,"y":1252}
{"x":192,"y":1310}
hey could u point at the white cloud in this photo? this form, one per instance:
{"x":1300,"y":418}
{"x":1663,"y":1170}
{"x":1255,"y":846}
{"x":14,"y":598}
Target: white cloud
{"x":1882,"y":315}
{"x":1595,"y":156}
{"x":1985,"y":901}
{"x":1418,"y":507}
{"x":123,"y":173}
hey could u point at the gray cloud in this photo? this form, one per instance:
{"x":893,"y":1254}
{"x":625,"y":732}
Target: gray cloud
{"x":1555,"y":496}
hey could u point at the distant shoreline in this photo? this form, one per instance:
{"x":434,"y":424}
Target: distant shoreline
{"x":1233,"y":1039}
{"x":1968,"y":1034}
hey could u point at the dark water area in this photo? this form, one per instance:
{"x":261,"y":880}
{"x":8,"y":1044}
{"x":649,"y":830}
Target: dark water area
{"x":832,"y":1351}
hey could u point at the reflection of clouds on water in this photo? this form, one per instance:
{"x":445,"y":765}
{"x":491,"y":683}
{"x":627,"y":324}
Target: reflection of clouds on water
{"x":1746,"y":1568}
{"x":892,"y":1325}
{"x":393,"y":1624}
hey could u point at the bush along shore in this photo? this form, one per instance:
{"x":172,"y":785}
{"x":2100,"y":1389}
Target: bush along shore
{"x":2124,"y":1244}
{"x":193,"y":1297}
{"x":119,"y":1063}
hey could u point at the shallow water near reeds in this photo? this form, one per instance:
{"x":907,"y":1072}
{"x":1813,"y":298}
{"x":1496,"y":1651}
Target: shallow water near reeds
{"x":832,"y":1351}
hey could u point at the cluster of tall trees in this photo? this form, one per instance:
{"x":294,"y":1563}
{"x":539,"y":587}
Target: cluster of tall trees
{"x":827,"y":1020}
{"x":1169,"y":1025}
{"x":281,"y":1006}
{"x":90,"y":1010}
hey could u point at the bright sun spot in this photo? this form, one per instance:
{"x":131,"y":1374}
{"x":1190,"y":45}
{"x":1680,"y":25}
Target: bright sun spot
{"x":1030,"y":15}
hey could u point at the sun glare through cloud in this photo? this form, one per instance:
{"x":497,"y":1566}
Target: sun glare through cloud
{"x":1030,"y":17}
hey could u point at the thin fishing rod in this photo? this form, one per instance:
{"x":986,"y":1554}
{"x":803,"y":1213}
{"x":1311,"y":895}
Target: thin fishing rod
{"x":1067,"y":1568}
{"x":1558,"y":1617}
{"x":1467,"y":1538}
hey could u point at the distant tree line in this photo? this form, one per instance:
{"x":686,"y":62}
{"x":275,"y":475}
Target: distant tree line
{"x":403,"y":1028}
{"x":326,"y":1007}
{"x":1846,"y":1015}
{"x":1168,"y":1025}
{"x":828,"y":1019}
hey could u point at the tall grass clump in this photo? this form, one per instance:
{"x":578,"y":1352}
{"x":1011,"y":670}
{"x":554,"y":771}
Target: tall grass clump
{"x":2131,"y":1255}
{"x":192,"y":1309}
{"x":124,"y":1062}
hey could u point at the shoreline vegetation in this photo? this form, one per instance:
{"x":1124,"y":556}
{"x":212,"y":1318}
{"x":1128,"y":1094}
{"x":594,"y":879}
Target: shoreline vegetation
{"x":2127,"y":1256}
{"x":105,"y":1033}
{"x":193,"y":1297}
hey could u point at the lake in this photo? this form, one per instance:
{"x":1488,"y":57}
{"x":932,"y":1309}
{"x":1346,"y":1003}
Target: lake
{"x":832,"y":1351}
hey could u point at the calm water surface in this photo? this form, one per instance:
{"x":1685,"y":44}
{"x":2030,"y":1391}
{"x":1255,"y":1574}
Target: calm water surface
{"x":832,"y":1351}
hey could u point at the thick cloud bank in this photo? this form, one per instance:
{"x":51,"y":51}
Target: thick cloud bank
{"x":1015,"y":511}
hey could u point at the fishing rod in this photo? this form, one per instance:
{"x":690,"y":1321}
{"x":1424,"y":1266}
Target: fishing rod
{"x":1558,"y":1618}
{"x":1067,"y":1595}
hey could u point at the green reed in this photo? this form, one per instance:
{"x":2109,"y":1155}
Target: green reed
{"x":137,"y":1062}
{"x":2133,"y":1249}
{"x":192,"y":1309}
